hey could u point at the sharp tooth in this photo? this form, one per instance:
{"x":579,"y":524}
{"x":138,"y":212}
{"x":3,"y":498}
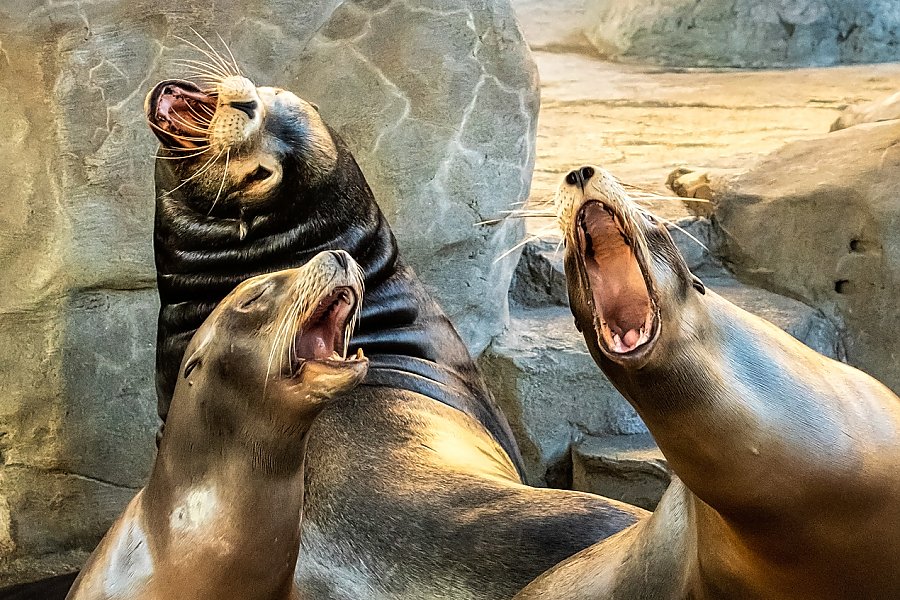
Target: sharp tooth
{"x":335,"y":356}
{"x":359,"y":354}
{"x":617,"y":341}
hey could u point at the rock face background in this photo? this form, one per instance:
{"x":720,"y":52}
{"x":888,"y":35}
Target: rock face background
{"x":437,"y":99}
{"x":745,"y":33}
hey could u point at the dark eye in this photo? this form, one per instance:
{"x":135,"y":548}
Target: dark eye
{"x":260,"y":173}
{"x":256,"y":296}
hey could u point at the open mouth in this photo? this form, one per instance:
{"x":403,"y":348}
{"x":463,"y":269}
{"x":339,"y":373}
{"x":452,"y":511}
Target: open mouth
{"x":325,"y":335}
{"x":179,"y":112}
{"x":626,"y":316}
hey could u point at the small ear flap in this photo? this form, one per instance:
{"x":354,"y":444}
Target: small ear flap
{"x":196,"y":358}
{"x":698,"y":285}
{"x":315,"y":106}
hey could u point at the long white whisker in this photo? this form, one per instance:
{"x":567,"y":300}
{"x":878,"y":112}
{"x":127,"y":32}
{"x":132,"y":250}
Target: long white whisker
{"x":214,"y":58}
{"x":217,"y":57}
{"x":201,"y":67}
{"x":528,"y":239}
{"x":237,"y":68}
{"x":182,"y":156}
{"x":206,"y":166}
{"x":222,"y":186}
{"x":675,"y":225}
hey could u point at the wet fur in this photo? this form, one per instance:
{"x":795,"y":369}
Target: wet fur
{"x":788,"y":467}
{"x":412,"y":485}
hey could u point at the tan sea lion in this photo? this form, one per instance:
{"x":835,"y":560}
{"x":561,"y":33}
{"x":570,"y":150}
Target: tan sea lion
{"x":220,"y":516}
{"x":789,"y":462}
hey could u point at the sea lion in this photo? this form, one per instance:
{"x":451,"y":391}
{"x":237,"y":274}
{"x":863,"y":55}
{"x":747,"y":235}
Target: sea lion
{"x":220,"y":515}
{"x":789,"y":462}
{"x":413,"y":484}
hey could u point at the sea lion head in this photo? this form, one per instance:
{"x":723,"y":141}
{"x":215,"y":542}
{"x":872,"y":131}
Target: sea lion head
{"x":234,"y":149}
{"x":629,"y":287}
{"x":273,"y":353}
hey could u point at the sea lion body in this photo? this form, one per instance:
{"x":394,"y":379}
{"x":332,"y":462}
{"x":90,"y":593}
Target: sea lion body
{"x":789,"y":462}
{"x":413,"y":487}
{"x":220,"y":515}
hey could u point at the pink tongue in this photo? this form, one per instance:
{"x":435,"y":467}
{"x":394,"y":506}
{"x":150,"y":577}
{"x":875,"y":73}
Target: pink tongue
{"x":631,"y":338}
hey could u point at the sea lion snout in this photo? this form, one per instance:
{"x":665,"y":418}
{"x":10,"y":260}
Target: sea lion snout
{"x":615,"y":291}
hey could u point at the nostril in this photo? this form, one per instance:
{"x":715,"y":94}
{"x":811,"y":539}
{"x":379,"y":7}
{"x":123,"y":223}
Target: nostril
{"x":572,"y":178}
{"x":587,"y":172}
{"x":248,"y":108}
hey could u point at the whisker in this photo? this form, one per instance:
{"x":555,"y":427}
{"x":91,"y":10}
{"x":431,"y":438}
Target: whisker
{"x":182,"y":157}
{"x":200,"y":67}
{"x":222,"y":186}
{"x":234,"y":62}
{"x":673,"y":224}
{"x":206,"y":166}
{"x":220,"y":67}
{"x":637,"y":192}
{"x":177,"y":136}
{"x":187,"y":125}
{"x":216,"y":56}
{"x":527,"y":240}
{"x":198,"y":64}
{"x":277,"y":344}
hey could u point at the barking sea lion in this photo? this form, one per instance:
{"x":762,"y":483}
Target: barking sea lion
{"x":789,"y":462}
{"x":220,"y":515}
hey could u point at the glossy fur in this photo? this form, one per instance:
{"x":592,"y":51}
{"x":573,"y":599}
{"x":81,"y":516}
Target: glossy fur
{"x":789,"y":462}
{"x":413,"y":486}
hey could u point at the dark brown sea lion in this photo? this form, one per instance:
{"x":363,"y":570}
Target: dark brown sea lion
{"x":220,"y":515}
{"x":413,"y":486}
{"x":789,"y":462}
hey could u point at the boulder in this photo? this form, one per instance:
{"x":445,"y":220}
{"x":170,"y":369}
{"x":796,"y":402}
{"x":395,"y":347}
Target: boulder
{"x":883,"y":109}
{"x":437,"y":99}
{"x":818,"y":220}
{"x":552,"y":392}
{"x":630,"y":468}
{"x":745,"y":33}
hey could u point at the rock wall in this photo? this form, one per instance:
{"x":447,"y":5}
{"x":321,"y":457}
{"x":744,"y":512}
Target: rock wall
{"x":437,"y":99}
{"x":745,"y":33}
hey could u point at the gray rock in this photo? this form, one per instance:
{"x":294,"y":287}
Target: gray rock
{"x":818,"y":220}
{"x":629,"y":468}
{"x":552,"y":392}
{"x":884,"y":109}
{"x":745,"y":33}
{"x":540,"y":278}
{"x":444,"y":148}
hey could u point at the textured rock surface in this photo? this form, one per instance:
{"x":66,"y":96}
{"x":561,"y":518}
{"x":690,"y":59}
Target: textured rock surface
{"x":742,"y":33}
{"x":819,"y":220}
{"x":438,"y":100}
{"x":884,"y":109}
{"x":629,"y":468}
{"x":552,"y":392}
